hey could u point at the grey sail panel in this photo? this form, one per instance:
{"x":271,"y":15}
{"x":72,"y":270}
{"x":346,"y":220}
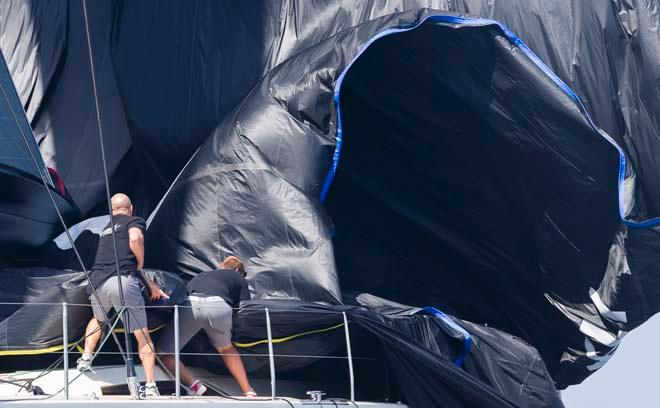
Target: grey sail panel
{"x":19,"y":149}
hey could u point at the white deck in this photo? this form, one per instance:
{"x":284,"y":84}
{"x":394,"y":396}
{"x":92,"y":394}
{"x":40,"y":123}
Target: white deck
{"x":201,"y":402}
{"x":89,"y":387}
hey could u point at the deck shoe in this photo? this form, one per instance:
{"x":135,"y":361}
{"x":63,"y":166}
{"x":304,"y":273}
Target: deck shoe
{"x":151,"y":390}
{"x":84,"y":364}
{"x":197,"y":388}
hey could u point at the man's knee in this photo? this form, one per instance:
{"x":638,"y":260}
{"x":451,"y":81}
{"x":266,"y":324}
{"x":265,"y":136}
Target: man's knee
{"x":142,"y":336}
{"x":166,"y":358}
{"x":228,"y":349}
{"x":93,"y":325}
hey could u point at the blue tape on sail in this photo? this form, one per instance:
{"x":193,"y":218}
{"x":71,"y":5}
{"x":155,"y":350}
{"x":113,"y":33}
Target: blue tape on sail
{"x":467,"y":339}
{"x":515,"y":40}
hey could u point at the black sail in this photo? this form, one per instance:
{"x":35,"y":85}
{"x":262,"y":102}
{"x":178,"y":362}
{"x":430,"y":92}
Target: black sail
{"x":492,"y":164}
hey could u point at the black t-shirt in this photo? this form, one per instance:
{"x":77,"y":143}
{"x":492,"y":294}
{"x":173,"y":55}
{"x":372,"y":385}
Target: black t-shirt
{"x":226,"y":283}
{"x":104,"y":265}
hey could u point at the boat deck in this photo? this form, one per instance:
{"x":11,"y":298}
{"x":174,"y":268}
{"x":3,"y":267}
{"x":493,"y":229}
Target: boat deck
{"x":106,"y":386}
{"x":125,"y":401}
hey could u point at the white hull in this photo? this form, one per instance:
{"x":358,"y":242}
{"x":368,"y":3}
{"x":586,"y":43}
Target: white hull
{"x":95,"y":387}
{"x":193,"y":403}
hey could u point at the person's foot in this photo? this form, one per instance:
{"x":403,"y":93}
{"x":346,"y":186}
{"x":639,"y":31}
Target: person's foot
{"x":151,"y":390}
{"x":250,"y":394}
{"x":197,"y":388}
{"x":84,"y":364}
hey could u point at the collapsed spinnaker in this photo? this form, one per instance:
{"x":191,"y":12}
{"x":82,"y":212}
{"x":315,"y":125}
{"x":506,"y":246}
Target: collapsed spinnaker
{"x":423,"y":156}
{"x":307,"y":336}
{"x":31,"y":310}
{"x":489,"y":186}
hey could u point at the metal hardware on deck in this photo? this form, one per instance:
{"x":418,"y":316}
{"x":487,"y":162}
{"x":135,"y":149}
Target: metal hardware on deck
{"x":350,"y":357}
{"x":133,"y":387}
{"x":177,"y":374}
{"x":131,"y":377}
{"x":65,"y":350}
{"x":315,"y":396}
{"x":271,"y":357}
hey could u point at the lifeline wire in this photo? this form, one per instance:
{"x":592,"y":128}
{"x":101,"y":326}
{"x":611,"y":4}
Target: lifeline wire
{"x":107,"y":192}
{"x":129,"y":358}
{"x":52,"y":366}
{"x":105,"y":168}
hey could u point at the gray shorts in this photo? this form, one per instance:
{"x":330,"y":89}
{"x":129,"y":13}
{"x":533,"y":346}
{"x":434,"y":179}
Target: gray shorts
{"x":108,"y":293}
{"x":209,"y":313}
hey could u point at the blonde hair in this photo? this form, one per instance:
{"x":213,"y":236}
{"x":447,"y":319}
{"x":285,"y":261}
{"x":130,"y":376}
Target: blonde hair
{"x":233,"y":262}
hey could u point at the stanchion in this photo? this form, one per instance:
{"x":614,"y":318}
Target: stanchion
{"x":65,"y":349}
{"x":350,"y":357}
{"x":177,"y":374}
{"x":271,"y":357}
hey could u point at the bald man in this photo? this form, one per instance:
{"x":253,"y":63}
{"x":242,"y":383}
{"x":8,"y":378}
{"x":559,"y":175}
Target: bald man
{"x":129,"y":234}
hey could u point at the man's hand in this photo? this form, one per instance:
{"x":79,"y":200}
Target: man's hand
{"x":157,"y":293}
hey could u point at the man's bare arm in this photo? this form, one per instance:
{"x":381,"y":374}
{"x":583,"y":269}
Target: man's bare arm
{"x":136,"y":243}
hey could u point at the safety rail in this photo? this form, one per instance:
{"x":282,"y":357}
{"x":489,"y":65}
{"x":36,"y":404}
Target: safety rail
{"x":177,"y":354}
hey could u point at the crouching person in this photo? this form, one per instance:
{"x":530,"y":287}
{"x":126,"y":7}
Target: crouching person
{"x":212,"y":295}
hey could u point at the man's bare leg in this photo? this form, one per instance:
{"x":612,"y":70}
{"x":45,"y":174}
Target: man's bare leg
{"x":235,"y":366}
{"x":146,"y":350}
{"x":92,"y":336}
{"x":186,"y":378}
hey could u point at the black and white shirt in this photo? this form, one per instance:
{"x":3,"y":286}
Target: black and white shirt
{"x":104,"y":265}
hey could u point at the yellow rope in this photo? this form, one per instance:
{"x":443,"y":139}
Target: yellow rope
{"x":32,"y":352}
{"x":58,"y":347}
{"x":283,"y":339}
{"x":121,"y":330}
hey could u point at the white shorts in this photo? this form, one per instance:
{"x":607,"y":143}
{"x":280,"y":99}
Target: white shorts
{"x":209,"y":313}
